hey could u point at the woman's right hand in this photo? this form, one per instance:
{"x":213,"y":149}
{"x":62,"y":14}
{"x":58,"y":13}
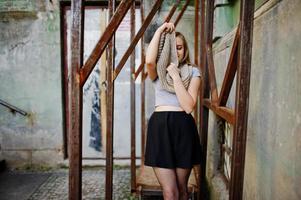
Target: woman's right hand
{"x":167,"y":27}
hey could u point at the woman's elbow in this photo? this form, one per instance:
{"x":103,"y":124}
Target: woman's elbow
{"x":189,"y":108}
{"x":150,"y":65}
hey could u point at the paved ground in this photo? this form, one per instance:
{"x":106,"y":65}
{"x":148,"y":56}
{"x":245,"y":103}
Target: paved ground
{"x":54,"y":184}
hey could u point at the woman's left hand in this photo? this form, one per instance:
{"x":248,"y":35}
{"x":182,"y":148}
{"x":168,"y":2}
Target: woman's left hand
{"x":173,"y":71}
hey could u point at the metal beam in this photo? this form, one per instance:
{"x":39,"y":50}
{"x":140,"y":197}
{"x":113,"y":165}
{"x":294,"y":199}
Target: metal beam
{"x":172,"y":11}
{"x":242,"y":99}
{"x":181,"y":13}
{"x":75,"y":134}
{"x":211,"y":73}
{"x":196,"y":50}
{"x":137,"y":37}
{"x":133,"y":104}
{"x":209,"y":54}
{"x":64,"y":68}
{"x":140,"y":68}
{"x":230,"y":72}
{"x":204,"y":93}
{"x":110,"y":111}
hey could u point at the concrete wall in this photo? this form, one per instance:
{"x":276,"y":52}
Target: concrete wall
{"x":273,"y":163}
{"x":30,"y":74}
{"x":31,"y":79}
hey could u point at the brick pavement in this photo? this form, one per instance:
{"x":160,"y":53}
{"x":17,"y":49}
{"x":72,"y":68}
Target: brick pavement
{"x":93,"y":182}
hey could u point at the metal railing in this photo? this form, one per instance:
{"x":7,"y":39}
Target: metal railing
{"x":12,"y":108}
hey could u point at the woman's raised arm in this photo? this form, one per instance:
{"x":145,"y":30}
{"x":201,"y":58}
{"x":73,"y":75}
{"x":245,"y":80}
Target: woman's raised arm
{"x":152,"y":50}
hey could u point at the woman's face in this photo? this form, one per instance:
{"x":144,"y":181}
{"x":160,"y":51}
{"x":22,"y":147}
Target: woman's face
{"x":180,"y":48}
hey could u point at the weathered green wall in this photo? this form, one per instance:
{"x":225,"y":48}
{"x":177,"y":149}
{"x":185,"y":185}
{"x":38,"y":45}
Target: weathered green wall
{"x":273,"y":163}
{"x":30,"y":74}
{"x":226,"y":17}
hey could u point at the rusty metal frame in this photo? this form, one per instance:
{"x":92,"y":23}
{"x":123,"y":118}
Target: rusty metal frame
{"x":242,"y":99}
{"x":65,"y":5}
{"x":119,"y":14}
{"x":240,"y":61}
{"x":79,"y":76}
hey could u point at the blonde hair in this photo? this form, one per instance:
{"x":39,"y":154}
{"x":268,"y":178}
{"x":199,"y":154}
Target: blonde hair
{"x":186,"y":58}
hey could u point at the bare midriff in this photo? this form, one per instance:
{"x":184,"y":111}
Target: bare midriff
{"x":168,"y":108}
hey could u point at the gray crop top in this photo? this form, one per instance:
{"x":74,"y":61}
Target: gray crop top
{"x":163,"y":97}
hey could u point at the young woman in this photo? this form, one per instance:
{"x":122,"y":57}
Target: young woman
{"x":173,"y":145}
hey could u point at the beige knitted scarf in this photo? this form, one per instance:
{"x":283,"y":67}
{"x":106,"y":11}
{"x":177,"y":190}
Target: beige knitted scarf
{"x":167,"y":53}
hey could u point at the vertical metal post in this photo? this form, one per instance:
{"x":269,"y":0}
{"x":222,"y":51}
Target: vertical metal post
{"x":204,"y":111}
{"x":65,"y":89}
{"x":75,"y":134}
{"x":143,"y":122}
{"x":110,"y":112}
{"x":242,"y":99}
{"x":196,"y":47}
{"x":196,"y":32}
{"x":133,"y":104}
{"x":209,"y":53}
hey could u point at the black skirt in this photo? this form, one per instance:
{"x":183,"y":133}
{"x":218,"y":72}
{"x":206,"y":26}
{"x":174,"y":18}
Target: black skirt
{"x":172,"y":141}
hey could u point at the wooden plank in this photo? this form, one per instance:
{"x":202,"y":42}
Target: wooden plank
{"x":181,"y":13}
{"x":137,"y":37}
{"x":75,"y":134}
{"x":242,"y":100}
{"x":104,"y":39}
{"x":147,"y":180}
{"x":110,"y":111}
{"x":133,"y":104}
{"x":230,"y":72}
{"x":224,"y":112}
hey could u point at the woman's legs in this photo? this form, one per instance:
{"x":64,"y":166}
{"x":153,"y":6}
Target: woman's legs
{"x":168,"y":181}
{"x":182,"y":180}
